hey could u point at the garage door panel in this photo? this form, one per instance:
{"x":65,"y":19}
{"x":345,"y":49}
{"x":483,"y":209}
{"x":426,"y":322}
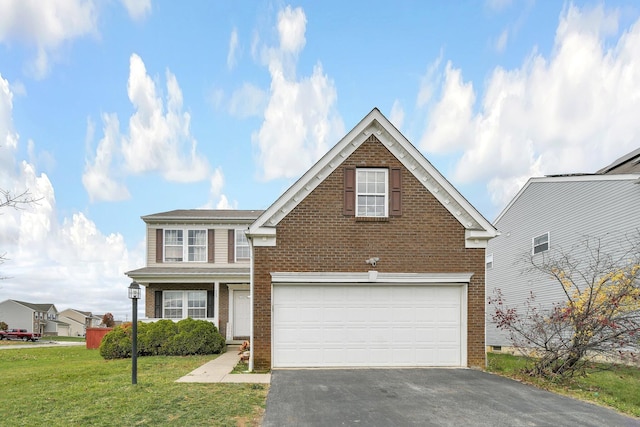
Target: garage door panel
{"x":362,"y":325}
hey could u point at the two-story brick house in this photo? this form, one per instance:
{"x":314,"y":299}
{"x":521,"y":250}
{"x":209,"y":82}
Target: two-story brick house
{"x":372,"y":258}
{"x":198,"y":266}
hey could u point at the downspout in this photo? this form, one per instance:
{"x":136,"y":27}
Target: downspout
{"x":250,"y":239}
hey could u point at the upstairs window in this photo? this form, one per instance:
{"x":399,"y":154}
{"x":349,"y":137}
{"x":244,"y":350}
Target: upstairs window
{"x":372,"y":192}
{"x":242,"y":245}
{"x":197,"y":245}
{"x":488,"y":261}
{"x":541,"y":243}
{"x":173,"y":243}
{"x":194,"y":249}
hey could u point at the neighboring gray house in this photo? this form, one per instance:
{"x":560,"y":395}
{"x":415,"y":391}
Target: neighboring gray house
{"x":79,"y":321}
{"x":558,"y":212}
{"x":41,"y":318}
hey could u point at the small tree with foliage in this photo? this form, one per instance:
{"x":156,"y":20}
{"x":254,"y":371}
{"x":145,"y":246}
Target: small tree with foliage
{"x":107,"y":320}
{"x":3,"y":326}
{"x":599,"y":314}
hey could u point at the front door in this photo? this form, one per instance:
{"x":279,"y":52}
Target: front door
{"x":241,"y":307}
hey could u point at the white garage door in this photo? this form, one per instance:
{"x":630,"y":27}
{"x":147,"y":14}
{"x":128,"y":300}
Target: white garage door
{"x":367,"y":325}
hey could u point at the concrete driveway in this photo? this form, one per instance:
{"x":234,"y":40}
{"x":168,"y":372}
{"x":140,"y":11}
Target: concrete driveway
{"x":425,"y":397}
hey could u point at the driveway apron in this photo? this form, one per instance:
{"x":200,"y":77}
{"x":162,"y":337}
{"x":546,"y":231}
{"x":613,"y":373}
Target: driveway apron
{"x":424,"y":397}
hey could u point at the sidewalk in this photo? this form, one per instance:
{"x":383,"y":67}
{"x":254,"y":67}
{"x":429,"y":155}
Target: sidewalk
{"x":218,"y":371}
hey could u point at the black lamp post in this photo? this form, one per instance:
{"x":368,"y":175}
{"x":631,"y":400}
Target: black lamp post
{"x":134,"y":295}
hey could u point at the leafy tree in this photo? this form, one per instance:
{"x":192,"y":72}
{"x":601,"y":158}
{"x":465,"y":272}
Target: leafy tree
{"x":108,"y":321}
{"x":3,"y":326}
{"x":599,"y":314}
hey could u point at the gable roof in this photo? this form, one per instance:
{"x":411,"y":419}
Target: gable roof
{"x":478,"y":229}
{"x":629,"y":163}
{"x":587,"y":179}
{"x":35,"y":307}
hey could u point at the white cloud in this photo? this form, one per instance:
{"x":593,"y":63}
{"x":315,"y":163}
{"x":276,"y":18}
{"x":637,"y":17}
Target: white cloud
{"x":159,"y":137}
{"x":300,"y":120}
{"x":449,"y":125}
{"x":429,"y":82}
{"x":501,"y":43}
{"x":98,"y":175}
{"x":574,"y":111}
{"x":137,"y":9}
{"x":68,"y":262}
{"x":46,"y":25}
{"x":233,"y":49}
{"x":159,"y":140}
{"x":216,"y":198}
{"x":247,"y":101}
{"x":397,"y":114}
{"x":291,"y":29}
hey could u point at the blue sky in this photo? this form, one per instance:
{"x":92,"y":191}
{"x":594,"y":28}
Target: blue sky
{"x":110,"y":110}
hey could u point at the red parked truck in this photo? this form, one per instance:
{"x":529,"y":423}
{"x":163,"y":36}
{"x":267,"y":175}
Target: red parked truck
{"x":19,"y":334}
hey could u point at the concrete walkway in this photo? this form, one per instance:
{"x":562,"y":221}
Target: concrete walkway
{"x":218,"y":371}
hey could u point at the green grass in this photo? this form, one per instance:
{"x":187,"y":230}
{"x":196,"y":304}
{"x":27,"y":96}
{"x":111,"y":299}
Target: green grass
{"x":616,"y":386}
{"x":73,"y":386}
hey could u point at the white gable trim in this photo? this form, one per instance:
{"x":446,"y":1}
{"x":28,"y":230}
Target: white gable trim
{"x":479,"y":229}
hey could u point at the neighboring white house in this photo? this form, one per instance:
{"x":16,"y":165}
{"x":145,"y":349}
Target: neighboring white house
{"x":558,"y":212}
{"x":40,"y":318}
{"x":79,"y":321}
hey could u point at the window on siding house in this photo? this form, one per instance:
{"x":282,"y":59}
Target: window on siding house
{"x":173,"y":243}
{"x":175,"y":301}
{"x":197,"y":245}
{"x":372,"y":192}
{"x":541,"y":243}
{"x":195,"y":249}
{"x":489,"y":261}
{"x":242,"y":245}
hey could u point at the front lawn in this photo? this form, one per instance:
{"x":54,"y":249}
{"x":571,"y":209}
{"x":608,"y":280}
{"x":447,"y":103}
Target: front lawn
{"x":73,"y":386}
{"x":616,"y":386}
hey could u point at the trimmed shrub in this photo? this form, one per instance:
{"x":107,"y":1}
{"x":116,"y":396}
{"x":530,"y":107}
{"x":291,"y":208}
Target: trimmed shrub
{"x":195,"y":337}
{"x":165,"y":338}
{"x":117,"y":343}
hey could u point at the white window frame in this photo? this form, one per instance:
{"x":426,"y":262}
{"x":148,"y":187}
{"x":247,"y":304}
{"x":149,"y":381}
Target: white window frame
{"x":488,"y":261}
{"x":534,"y":246}
{"x":242,"y":244}
{"x":363,"y":210}
{"x":185,"y":244}
{"x":183,"y":303}
{"x":201,"y":246}
{"x":166,"y":245}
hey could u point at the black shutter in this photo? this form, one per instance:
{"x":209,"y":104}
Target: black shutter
{"x":210,"y":304}
{"x":211,"y":246}
{"x":158,"y":305}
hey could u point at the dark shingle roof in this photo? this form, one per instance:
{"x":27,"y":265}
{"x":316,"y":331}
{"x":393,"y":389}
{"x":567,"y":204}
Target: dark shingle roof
{"x":629,"y":163}
{"x":219,"y":215}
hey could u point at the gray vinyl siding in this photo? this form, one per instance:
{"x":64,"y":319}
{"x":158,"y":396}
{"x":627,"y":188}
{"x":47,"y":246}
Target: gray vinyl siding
{"x":16,"y":316}
{"x":569,"y":209}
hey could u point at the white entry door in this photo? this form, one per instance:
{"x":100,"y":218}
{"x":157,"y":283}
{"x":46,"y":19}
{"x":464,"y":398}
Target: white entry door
{"x":241,"y":307}
{"x":361,"y":325}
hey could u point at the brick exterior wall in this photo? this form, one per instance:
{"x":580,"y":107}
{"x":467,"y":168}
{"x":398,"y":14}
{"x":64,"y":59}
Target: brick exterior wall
{"x":317,"y":237}
{"x":223,"y":306}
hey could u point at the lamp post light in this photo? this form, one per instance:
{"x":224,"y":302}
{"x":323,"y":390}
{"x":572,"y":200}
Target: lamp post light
{"x":134,"y":295}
